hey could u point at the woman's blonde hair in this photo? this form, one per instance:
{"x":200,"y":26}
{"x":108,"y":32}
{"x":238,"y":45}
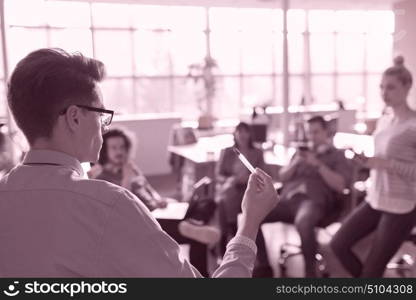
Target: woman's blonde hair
{"x":400,"y":71}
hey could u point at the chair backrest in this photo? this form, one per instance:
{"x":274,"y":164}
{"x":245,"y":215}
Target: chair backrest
{"x":183,"y":136}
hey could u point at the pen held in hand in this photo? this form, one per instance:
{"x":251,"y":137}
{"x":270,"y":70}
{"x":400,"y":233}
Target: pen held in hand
{"x":244,"y":160}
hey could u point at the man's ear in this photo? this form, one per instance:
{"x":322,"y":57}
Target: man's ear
{"x":72,"y":117}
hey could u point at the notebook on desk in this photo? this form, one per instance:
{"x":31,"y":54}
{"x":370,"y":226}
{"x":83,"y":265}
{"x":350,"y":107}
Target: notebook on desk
{"x":179,"y":210}
{"x":174,"y":211}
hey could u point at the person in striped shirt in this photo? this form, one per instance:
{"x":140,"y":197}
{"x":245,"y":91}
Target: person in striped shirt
{"x":390,"y":207}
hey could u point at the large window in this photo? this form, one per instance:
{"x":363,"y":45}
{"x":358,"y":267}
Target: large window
{"x":148,"y":50}
{"x":348,"y":52}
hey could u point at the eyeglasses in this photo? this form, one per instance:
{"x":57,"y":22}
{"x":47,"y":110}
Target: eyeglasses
{"x":106,"y":115}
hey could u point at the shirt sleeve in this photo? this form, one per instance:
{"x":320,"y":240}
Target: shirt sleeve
{"x":134,"y":245}
{"x":344,"y":167}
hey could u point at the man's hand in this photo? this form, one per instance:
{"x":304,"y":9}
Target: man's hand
{"x":310,"y":159}
{"x":259,"y":199}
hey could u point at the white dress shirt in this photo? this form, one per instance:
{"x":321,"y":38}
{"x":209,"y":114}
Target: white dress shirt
{"x":56,"y":223}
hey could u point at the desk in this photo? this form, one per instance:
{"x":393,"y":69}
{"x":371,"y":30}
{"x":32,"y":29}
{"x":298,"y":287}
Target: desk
{"x":200,"y":160}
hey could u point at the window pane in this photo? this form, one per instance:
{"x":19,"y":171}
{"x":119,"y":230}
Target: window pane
{"x":322,"y":47}
{"x":350,"y":21}
{"x":220,"y":19}
{"x":186,"y":18}
{"x":322,"y":89}
{"x":22,"y":41}
{"x":257,"y":52}
{"x":118,"y":95}
{"x":228,"y":57}
{"x":62,"y":13}
{"x":150,"y":16}
{"x":256,"y":19}
{"x":187,"y":48}
{"x":379,"y":51}
{"x":111,"y":15}
{"x":257,"y":91}
{"x":168,"y":17}
{"x":227,"y":98}
{"x":278,"y":91}
{"x":374,"y":102}
{"x":278,"y":52}
{"x":33,"y":13}
{"x":321,"y":20}
{"x":296,"y":20}
{"x":296,"y":90}
{"x":296,"y":56}
{"x":185,"y":95}
{"x":349,"y":88}
{"x":381,"y":21}
{"x":153,"y":95}
{"x":114,"y":49}
{"x":350,"y":52}
{"x":72,"y":40}
{"x":152,"y":52}
{"x":277,"y":15}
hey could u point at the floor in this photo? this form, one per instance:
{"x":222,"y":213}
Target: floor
{"x":277,"y":233}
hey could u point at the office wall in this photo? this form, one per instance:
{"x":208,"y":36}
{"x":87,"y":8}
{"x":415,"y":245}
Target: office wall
{"x":151,"y":134}
{"x":405,"y":38}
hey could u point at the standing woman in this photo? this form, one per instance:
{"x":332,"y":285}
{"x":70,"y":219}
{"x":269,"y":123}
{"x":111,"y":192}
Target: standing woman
{"x":390,"y":207}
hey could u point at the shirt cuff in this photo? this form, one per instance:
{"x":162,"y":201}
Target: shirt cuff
{"x":240,"y":239}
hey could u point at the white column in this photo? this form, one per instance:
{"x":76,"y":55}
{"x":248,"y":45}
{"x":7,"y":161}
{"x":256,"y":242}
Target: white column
{"x":285,"y":85}
{"x":10,"y":125}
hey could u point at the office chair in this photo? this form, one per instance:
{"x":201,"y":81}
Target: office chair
{"x":344,"y":204}
{"x":405,"y":265}
{"x":180,"y":136}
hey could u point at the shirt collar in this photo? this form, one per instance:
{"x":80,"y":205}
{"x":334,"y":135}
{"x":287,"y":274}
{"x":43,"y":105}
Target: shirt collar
{"x":53,"y":157}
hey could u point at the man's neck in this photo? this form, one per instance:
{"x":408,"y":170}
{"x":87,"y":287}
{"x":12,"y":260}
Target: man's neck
{"x":43,"y":144}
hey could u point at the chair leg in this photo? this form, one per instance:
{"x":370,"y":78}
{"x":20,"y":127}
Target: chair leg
{"x":322,"y":266}
{"x":403,"y":265}
{"x":285,"y":254}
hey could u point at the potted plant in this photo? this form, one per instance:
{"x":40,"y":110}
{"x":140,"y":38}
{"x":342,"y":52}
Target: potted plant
{"x":204,"y":72}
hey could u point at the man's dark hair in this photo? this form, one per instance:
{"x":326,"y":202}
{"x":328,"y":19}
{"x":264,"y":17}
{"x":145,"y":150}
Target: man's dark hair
{"x":103,"y":159}
{"x":46,"y":82}
{"x":319,"y":120}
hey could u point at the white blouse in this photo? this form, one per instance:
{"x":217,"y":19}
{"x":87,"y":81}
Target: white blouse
{"x":394,"y":189}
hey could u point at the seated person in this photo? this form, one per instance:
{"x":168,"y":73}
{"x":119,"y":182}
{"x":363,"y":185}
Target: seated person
{"x":311,"y":183}
{"x":114,"y":166}
{"x":232,"y":177}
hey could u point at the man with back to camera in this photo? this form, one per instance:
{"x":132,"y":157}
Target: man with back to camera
{"x":56,"y":223}
{"x":116,"y":166}
{"x":312,"y":182}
